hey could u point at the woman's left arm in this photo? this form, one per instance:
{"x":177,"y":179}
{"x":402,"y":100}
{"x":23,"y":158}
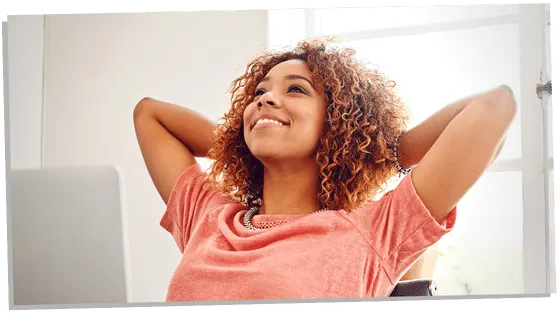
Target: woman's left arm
{"x":451,"y":149}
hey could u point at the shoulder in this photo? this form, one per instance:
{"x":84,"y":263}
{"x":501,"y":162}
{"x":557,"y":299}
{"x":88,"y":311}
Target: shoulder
{"x":193,"y":184}
{"x":400,"y":205}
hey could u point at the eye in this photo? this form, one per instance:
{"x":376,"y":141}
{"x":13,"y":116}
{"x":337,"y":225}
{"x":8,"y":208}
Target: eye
{"x":295,"y":88}
{"x":259,"y":92}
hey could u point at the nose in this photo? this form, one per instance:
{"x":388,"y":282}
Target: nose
{"x":268,"y":99}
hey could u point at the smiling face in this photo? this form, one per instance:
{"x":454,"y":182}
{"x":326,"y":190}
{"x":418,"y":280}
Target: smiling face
{"x":352,"y":156}
{"x":286,"y":118}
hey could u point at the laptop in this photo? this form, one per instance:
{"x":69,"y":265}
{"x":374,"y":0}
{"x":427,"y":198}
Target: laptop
{"x":66,"y":236}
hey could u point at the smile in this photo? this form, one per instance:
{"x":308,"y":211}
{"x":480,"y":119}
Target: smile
{"x":267,"y":123}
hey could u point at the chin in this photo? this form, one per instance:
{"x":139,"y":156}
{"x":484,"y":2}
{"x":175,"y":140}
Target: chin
{"x":277,"y":149}
{"x":267,"y":152}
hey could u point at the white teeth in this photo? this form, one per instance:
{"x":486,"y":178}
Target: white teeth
{"x":265,"y":120}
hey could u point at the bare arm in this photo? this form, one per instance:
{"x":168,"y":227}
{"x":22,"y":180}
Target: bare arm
{"x":170,"y":137}
{"x":454,"y":147}
{"x":417,"y":270}
{"x":424,"y":267}
{"x":416,"y":142}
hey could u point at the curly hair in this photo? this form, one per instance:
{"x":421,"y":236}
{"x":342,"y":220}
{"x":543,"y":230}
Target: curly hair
{"x":354,"y":154}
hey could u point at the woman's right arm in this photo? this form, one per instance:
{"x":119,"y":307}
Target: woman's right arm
{"x":170,"y":137}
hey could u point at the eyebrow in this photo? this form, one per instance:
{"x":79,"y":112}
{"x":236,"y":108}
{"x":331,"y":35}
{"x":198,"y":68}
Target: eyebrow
{"x":291,"y":77}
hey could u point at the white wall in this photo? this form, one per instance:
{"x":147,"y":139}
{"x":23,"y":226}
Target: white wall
{"x":25,"y":78}
{"x":99,"y":66}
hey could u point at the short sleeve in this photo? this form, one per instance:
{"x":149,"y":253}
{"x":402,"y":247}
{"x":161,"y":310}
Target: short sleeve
{"x":187,"y":204}
{"x":400,"y":228}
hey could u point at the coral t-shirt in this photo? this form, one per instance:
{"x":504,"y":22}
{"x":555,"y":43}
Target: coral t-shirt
{"x":329,"y":254}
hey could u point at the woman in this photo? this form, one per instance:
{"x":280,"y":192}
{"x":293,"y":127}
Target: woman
{"x":287,"y":210}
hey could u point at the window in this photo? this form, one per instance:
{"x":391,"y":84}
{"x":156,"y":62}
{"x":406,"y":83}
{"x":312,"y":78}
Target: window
{"x":336,"y":21}
{"x":437,"y":55}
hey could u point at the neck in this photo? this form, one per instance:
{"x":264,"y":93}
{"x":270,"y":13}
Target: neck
{"x":290,"y":189}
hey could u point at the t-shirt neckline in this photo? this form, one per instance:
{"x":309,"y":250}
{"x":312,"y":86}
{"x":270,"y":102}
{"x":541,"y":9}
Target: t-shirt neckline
{"x":270,"y":220}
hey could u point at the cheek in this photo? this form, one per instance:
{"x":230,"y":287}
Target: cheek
{"x":320,"y":124}
{"x":312,"y":127}
{"x":320,"y":117}
{"x":248,"y":113}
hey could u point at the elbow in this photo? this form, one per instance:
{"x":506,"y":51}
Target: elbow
{"x":141,"y":107}
{"x":503,"y":99}
{"x":508,"y":99}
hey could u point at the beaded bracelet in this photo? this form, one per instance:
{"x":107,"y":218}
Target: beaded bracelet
{"x":402,"y":171}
